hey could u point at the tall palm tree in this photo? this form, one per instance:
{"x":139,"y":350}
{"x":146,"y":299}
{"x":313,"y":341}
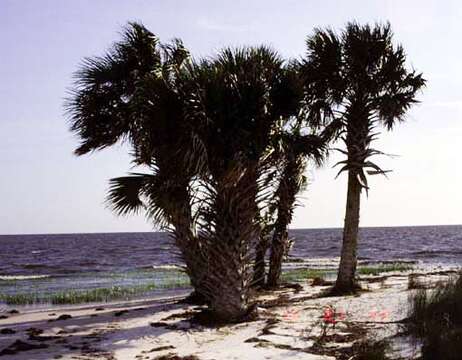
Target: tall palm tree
{"x":135,"y":93}
{"x":360,"y":80}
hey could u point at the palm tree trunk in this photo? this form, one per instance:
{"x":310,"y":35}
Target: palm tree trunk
{"x":194,"y":261}
{"x":259,"y":266}
{"x":346,"y":275}
{"x":188,"y":244}
{"x":229,"y":274}
{"x":287,"y":192}
{"x":278,"y":250}
{"x":229,"y":283}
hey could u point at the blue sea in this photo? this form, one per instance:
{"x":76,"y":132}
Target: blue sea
{"x":55,"y":262}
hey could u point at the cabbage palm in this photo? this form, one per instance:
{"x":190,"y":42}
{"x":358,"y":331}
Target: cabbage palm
{"x":135,"y":93}
{"x":242,"y":95}
{"x":294,"y":145}
{"x":296,"y":150}
{"x":360,"y":80}
{"x":203,"y":131}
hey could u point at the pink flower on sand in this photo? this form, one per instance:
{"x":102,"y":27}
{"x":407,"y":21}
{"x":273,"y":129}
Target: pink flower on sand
{"x":332,"y":315}
{"x":329,"y":315}
{"x":379,"y":315}
{"x":291,"y":314}
{"x":373,"y":314}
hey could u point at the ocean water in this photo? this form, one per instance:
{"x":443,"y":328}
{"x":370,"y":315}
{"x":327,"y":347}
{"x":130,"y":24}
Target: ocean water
{"x":55,"y":262}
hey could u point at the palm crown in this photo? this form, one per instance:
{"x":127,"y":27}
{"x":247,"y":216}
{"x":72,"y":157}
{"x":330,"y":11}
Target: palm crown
{"x":132,"y":93}
{"x":135,"y":93}
{"x":358,"y":78}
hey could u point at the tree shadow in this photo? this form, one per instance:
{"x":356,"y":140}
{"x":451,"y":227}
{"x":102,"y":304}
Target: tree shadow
{"x":91,"y":333}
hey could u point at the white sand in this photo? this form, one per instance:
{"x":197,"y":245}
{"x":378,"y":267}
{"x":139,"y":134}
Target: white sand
{"x":298,"y":325}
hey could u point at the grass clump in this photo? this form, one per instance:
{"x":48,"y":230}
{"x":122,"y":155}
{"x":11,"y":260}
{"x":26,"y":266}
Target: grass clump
{"x":73,"y":296}
{"x":21,"y":298}
{"x":436,"y":319}
{"x":297,"y":275}
{"x":383,"y":268}
{"x":98,"y":295}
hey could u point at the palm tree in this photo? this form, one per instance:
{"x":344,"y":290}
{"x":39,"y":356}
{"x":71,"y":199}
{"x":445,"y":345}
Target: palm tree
{"x":358,"y":79}
{"x":296,"y":150}
{"x":203,"y":131}
{"x":294,"y":144}
{"x":242,"y":95}
{"x":135,"y":93}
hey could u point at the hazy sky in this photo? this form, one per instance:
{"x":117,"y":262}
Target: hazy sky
{"x":44,"y":188}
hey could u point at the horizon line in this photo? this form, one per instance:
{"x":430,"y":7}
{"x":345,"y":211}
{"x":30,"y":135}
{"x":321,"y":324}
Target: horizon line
{"x":159,"y":231}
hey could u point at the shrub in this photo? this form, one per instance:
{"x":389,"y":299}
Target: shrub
{"x":436,"y":319}
{"x":368,"y":350}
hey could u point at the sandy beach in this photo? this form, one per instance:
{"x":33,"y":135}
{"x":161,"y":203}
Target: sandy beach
{"x":290,"y":324}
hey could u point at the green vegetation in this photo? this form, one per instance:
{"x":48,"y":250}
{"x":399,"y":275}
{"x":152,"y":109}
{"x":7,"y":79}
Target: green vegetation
{"x":436,"y":319}
{"x":92,"y":295}
{"x":303,"y":274}
{"x":383,"y":268}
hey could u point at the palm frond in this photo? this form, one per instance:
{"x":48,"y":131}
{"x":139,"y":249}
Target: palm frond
{"x":126,"y":193}
{"x":99,"y":105}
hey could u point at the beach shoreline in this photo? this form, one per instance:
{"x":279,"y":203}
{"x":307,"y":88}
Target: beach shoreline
{"x":289,"y":323}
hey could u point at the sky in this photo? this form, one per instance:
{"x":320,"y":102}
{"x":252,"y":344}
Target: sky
{"x":44,"y":188}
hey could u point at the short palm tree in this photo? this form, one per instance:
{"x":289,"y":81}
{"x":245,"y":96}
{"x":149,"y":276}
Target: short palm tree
{"x":242,"y":95}
{"x":359,"y":79}
{"x":135,"y":93}
{"x":296,"y":150}
{"x":295,"y":143}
